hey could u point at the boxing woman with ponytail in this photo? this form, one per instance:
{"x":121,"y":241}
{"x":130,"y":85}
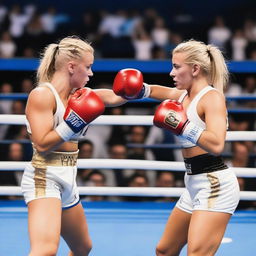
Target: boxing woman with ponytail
{"x":195,"y":111}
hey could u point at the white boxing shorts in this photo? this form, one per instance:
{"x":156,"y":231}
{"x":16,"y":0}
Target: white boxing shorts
{"x":216,"y":191}
{"x":53,"y":175}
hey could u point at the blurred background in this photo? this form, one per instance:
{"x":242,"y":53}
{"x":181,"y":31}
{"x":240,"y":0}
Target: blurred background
{"x":141,"y":31}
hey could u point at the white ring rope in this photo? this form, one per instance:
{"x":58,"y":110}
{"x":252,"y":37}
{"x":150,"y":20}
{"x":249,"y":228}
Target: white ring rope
{"x":127,"y":164}
{"x":129,"y":120}
{"x":126,"y":191}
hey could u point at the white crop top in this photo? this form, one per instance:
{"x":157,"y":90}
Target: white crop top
{"x":193,"y":115}
{"x":59,"y":113}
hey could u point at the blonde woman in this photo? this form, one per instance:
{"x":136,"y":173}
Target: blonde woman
{"x":58,"y":112}
{"x":195,"y":111}
{"x":198,"y":115}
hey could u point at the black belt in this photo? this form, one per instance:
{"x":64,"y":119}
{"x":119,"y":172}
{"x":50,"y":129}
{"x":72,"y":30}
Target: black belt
{"x":204,"y":164}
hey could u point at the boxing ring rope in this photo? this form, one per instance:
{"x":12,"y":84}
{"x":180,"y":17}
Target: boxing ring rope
{"x":146,"y":120}
{"x":127,"y":191}
{"x":127,"y":163}
{"x":114,"y":164}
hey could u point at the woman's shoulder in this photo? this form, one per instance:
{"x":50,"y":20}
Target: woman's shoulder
{"x":41,"y":92}
{"x":41,"y":96}
{"x":213,"y":99}
{"x":213,"y":94}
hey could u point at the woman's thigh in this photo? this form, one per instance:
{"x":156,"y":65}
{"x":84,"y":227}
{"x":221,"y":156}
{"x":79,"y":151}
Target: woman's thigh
{"x":44,"y":223}
{"x":175,"y":233}
{"x":206,"y":231}
{"x":74,"y":230}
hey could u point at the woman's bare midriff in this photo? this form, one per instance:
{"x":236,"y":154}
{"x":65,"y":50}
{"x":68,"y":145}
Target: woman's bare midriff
{"x":68,"y":147}
{"x":191,"y":152}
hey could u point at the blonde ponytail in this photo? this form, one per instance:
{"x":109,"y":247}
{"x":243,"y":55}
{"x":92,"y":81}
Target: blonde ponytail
{"x":47,"y":64}
{"x":55,"y":55}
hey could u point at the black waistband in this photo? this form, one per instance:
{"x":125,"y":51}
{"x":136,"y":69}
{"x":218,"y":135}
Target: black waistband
{"x":204,"y":163}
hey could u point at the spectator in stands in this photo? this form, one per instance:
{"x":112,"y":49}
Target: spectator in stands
{"x":241,"y":158}
{"x":88,"y":26}
{"x":85,"y":149}
{"x":48,"y":20}
{"x":158,"y":53}
{"x":148,"y":19}
{"x":112,"y":32}
{"x":18,"y":108}
{"x":160,"y":136}
{"x":160,"y":33}
{"x":249,"y":86}
{"x":137,"y":135}
{"x":29,"y":52}
{"x":250,"y":29}
{"x":26,"y":85}
{"x":95,"y":179}
{"x":5,"y":107}
{"x":165,"y":179}
{"x":18,"y":21}
{"x":111,"y":23}
{"x":3,"y":14}
{"x":99,"y":136}
{"x":117,"y":177}
{"x":34,"y":28}
{"x":219,"y":33}
{"x":118,"y":132}
{"x":137,"y":180}
{"x":238,"y":44}
{"x":143,"y":43}
{"x":85,"y":152}
{"x":7,"y":46}
{"x":14,"y":152}
{"x":240,"y":155}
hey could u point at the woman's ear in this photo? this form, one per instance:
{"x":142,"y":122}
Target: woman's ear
{"x":71,"y":66}
{"x":195,"y":70}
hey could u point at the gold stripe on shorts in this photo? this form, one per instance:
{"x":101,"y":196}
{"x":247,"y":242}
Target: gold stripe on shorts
{"x":215,"y":189}
{"x":40,"y":182}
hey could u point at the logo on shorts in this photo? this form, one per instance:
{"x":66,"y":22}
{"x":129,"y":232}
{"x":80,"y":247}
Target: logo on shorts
{"x":196,"y":202}
{"x":67,"y":160}
{"x":188,"y":168}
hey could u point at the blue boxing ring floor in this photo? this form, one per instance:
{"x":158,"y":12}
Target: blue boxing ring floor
{"x":123,"y":229}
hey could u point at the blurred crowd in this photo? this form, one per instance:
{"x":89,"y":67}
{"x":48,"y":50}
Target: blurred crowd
{"x":129,"y":142}
{"x":124,"y":33}
{"x":143,"y":35}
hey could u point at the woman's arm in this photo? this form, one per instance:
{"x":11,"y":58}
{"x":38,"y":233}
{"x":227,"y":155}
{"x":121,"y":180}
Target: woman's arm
{"x":157,"y":92}
{"x":214,"y":108}
{"x":161,"y":93}
{"x":109,"y":98}
{"x":39,"y":113}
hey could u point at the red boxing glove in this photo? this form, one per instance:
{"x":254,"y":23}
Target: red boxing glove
{"x":171,"y":116}
{"x":83,"y":107}
{"x":128,"y":84}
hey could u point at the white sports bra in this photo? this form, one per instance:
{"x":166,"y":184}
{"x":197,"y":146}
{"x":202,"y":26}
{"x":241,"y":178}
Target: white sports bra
{"x":59,"y":113}
{"x":193,"y":115}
